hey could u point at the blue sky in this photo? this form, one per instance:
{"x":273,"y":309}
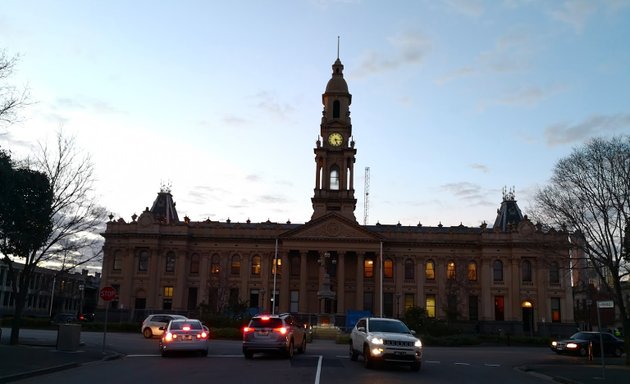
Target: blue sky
{"x":453,"y":101}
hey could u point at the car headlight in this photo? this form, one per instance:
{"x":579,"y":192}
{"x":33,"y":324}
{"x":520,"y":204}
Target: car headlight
{"x":377,"y":341}
{"x":554,"y":343}
{"x":572,"y":345}
{"x":418,"y":344}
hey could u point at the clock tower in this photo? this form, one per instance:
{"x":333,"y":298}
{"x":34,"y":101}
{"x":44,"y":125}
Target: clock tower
{"x":335,"y":153}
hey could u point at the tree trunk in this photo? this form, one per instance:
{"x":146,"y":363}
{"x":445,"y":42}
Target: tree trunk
{"x":20,"y":300}
{"x":626,"y":338}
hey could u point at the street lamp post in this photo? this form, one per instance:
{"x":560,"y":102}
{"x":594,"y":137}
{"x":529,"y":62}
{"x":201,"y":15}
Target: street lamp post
{"x":81,"y":292}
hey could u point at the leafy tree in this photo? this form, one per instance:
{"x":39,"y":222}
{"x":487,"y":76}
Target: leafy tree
{"x":589,"y":194}
{"x":26,"y":198}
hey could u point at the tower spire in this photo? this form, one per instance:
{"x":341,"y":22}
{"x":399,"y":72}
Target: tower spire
{"x":338,"y":47}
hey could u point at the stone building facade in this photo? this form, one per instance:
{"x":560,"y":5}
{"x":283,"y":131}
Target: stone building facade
{"x":512,"y":276}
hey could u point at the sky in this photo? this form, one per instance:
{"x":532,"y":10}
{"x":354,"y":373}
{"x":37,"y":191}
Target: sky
{"x":452,"y":101}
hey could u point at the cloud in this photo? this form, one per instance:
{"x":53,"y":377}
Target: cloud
{"x":472,"y":193}
{"x":456,"y":74}
{"x":480,"y":167}
{"x":525,"y":97}
{"x":471,"y":8}
{"x":268,"y":102}
{"x":574,"y":13}
{"x":410,"y":48}
{"x":565,"y":133}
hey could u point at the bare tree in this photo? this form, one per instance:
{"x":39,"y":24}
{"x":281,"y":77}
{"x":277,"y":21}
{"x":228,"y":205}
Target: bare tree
{"x":589,"y":193}
{"x":75,"y":215}
{"x":11,"y":99}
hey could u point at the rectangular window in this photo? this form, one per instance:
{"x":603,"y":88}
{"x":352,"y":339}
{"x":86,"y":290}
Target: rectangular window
{"x":409,"y":301}
{"x":167,"y":304}
{"x":235,"y":266}
{"x":555,"y":310}
{"x":277,"y":268}
{"x":430,"y":306}
{"x":233,"y":298}
{"x":499,"y":308}
{"x":168,"y":291}
{"x":143,"y":261}
{"x":117,"y":261}
{"x":388,"y":304}
{"x":429,"y":271}
{"x":368,"y":301}
{"x":368,"y":268}
{"x":170,"y":263}
{"x":254,"y":298}
{"x":294,"y":305}
{"x":473,"y":308}
{"x":194,"y":263}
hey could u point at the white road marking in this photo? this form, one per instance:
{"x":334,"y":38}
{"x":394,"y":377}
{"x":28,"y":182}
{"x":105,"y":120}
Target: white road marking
{"x":319,"y":369}
{"x":492,"y":365}
{"x":462,"y":364}
{"x":432,"y":361}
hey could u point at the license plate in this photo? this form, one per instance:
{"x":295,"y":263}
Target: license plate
{"x":262,"y":333}
{"x":187,"y":337}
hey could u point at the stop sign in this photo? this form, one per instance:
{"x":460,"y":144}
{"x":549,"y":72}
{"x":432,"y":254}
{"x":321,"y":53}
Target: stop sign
{"x":107,"y":293}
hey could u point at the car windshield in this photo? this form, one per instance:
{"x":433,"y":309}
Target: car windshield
{"x":388,"y":326}
{"x":582,"y":336}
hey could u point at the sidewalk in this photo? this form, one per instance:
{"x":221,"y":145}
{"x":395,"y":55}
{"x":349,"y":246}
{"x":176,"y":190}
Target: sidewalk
{"x":590,"y":372}
{"x":37,"y":356}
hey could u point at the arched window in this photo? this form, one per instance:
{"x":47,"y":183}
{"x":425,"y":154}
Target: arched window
{"x":388,"y":268}
{"x":409,"y":270}
{"x":472,"y":271}
{"x":368,"y":267}
{"x":450,"y":270}
{"x":497,"y":271}
{"x":170,"y":262}
{"x":214,"y":265}
{"x":554,"y":273}
{"x":429,"y":270}
{"x":527,"y":271}
{"x":256,"y":266}
{"x":336,"y":109}
{"x":235,"y":265}
{"x":117,"y":261}
{"x":334,"y":178}
{"x":194,"y":263}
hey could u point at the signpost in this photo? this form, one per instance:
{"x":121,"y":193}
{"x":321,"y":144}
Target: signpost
{"x":107,"y":294}
{"x":602,"y":304}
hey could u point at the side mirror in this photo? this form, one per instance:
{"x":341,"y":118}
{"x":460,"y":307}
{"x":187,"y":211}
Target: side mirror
{"x":361,"y":329}
{"x":413,"y":332}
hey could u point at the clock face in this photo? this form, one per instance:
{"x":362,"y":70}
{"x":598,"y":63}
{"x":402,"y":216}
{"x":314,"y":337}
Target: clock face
{"x":335,"y":139}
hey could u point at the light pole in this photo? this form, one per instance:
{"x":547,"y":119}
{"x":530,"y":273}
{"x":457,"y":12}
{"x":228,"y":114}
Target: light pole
{"x":81,"y":292}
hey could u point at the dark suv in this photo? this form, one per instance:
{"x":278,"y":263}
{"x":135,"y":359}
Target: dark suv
{"x":273,"y":333}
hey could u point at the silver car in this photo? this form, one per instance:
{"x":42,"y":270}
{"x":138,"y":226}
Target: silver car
{"x":273,"y":333}
{"x":152,"y":324}
{"x":184,"y":335}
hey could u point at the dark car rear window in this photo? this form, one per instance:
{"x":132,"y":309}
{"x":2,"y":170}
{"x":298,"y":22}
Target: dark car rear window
{"x":268,"y":323}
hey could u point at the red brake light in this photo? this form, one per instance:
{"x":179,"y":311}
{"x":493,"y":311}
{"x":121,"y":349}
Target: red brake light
{"x":186,"y":327}
{"x":247,"y":329}
{"x":264,"y":318}
{"x":282,"y":330}
{"x":169,"y":337}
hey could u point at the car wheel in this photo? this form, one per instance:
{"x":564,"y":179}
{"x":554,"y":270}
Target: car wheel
{"x":289,"y":351}
{"x":248,"y":354}
{"x":583,"y":351}
{"x":415,"y":367}
{"x":367,"y":360}
{"x":354,"y":355}
{"x":302,"y":347}
{"x":163,"y":353}
{"x":618,"y":351}
{"x":147,"y":333}
{"x":204,"y":353}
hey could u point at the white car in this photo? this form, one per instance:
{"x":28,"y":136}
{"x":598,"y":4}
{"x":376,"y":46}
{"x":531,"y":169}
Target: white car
{"x":184,"y":335}
{"x":385,"y":340}
{"x":152,"y":324}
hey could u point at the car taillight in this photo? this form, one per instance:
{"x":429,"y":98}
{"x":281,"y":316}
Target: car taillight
{"x":186,"y":328}
{"x":247,"y":329}
{"x":169,"y":337}
{"x":281,"y":330}
{"x":202,"y":335}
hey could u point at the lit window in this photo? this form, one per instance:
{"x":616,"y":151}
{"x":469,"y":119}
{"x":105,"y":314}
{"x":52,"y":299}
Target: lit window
{"x":499,"y":308}
{"x":277,"y":269}
{"x":214,"y":265}
{"x":429,"y":270}
{"x":368,"y":267}
{"x":388,"y":268}
{"x":256,"y":266}
{"x":168,"y":291}
{"x":555,"y":310}
{"x":430,"y":306}
{"x":472,"y":271}
{"x":450,"y":270}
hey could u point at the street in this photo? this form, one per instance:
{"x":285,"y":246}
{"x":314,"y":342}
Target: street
{"x":323,"y":362}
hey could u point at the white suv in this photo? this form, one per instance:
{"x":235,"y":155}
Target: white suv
{"x":387,"y":340}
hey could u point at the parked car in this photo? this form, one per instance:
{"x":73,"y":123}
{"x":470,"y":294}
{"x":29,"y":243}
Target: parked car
{"x":86,"y":317}
{"x":64,"y":318}
{"x":385,"y":340}
{"x":578,"y":344}
{"x":154,"y":324}
{"x":184,"y":335}
{"x":273,"y":333}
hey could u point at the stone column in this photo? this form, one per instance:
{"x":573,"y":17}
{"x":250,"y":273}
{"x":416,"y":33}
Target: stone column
{"x":303,"y":304}
{"x":341,"y":286}
{"x":285,"y":299}
{"x":359,"y":279}
{"x":204,"y":270}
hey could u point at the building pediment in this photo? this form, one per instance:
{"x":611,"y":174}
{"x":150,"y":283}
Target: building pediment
{"x":331,"y":226}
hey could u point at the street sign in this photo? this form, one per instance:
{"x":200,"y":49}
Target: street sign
{"x":606,"y":304}
{"x":107,"y":293}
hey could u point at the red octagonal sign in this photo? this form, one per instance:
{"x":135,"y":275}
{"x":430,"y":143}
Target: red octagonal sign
{"x":107,"y":293}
